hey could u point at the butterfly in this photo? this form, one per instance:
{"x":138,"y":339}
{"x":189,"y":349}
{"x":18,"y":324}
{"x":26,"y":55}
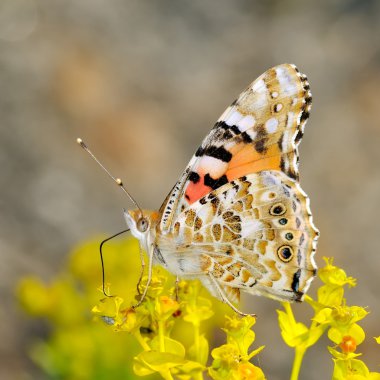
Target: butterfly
{"x":237,"y":219}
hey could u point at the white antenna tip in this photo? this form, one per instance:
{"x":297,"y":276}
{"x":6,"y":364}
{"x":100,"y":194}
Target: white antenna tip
{"x":119,"y":181}
{"x":81,"y":143}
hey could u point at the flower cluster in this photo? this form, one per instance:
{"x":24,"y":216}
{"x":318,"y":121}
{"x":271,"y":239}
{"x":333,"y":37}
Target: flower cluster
{"x":331,"y":314}
{"x":231,"y":360}
{"x":153,"y":325}
{"x":169,"y":334}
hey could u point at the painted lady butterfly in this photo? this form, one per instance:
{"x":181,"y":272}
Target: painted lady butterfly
{"x":237,"y":219}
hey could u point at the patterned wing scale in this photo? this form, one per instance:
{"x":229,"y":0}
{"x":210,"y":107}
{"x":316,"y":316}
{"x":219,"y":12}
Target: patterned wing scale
{"x":260,"y":131}
{"x":255,"y":234}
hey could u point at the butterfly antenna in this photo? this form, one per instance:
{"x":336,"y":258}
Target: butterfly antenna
{"x":118,"y":181}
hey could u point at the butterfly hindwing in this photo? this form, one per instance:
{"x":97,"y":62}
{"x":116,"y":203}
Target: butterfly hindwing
{"x":254,"y":233}
{"x":260,"y":131}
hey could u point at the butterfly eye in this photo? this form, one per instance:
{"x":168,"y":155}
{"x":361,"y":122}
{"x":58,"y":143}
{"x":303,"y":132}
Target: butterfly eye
{"x":285,"y":253}
{"x":277,"y":209}
{"x":142,"y":225}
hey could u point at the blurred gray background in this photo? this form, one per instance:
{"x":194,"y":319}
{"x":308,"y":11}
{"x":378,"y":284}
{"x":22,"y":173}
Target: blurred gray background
{"x":143,"y":82}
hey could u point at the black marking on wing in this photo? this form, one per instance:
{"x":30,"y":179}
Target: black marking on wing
{"x":199,"y":152}
{"x":298,"y":136}
{"x":304,"y":116}
{"x":222,"y":125}
{"x":235,"y":129}
{"x":215,"y":183}
{"x":218,"y":152}
{"x":261,"y":139}
{"x":230,"y":128}
{"x":291,"y":173}
{"x":296,"y":281}
{"x":194,"y":177}
{"x":246,"y":138}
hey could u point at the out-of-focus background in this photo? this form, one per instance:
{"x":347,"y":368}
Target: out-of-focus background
{"x":143,"y":82}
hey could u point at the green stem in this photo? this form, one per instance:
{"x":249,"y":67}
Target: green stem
{"x":299,"y":350}
{"x":289,"y":311}
{"x":198,"y":375}
{"x":161,"y":338}
{"x":161,"y":335}
{"x":141,"y":340}
{"x":299,"y":353}
{"x":196,"y":341}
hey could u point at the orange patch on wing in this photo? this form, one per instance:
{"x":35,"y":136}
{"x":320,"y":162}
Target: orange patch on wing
{"x":195,"y":191}
{"x":248,"y":161}
{"x":245,"y":160}
{"x":243,"y":154}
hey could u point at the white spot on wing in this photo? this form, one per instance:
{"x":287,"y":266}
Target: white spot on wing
{"x":271,"y":125}
{"x":251,"y":133}
{"x":278,"y":107}
{"x":287,"y":84}
{"x":250,"y":227}
{"x":259,"y":86}
{"x":246,"y":123}
{"x":260,"y":93}
{"x":234,"y":118}
{"x":213,"y":166}
{"x":290,"y":119}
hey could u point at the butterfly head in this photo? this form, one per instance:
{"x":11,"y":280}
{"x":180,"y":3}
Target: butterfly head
{"x":142,"y":224}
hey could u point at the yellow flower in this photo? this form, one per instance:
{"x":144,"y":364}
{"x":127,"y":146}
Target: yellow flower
{"x":248,"y":371}
{"x":334,"y":276}
{"x":348,"y":344}
{"x":294,"y":333}
{"x":165,"y":307}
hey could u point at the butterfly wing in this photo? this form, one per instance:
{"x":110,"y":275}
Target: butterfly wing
{"x":260,"y":131}
{"x":254,"y":233}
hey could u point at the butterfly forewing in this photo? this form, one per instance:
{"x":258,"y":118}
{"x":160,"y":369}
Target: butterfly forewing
{"x":259,"y":131}
{"x":238,"y":216}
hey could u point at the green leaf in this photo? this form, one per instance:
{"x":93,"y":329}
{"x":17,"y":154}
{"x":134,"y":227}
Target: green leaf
{"x":171,"y":346}
{"x":200,"y":353}
{"x":357,"y":333}
{"x":293,"y":333}
{"x":315,"y":332}
{"x":330,"y":295}
{"x":198,"y":311}
{"x":341,"y":355}
{"x":148,"y":362}
{"x":140,"y":368}
{"x":350,"y":370}
{"x":190,"y":367}
{"x":323,"y":316}
{"x":335,"y":335}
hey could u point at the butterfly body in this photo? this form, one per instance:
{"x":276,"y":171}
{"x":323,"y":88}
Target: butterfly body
{"x":237,"y":219}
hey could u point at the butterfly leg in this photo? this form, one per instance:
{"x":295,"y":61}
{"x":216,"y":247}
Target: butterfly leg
{"x":150,"y":267}
{"x":142,"y":269}
{"x":225,"y":299}
{"x":176,"y":288}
